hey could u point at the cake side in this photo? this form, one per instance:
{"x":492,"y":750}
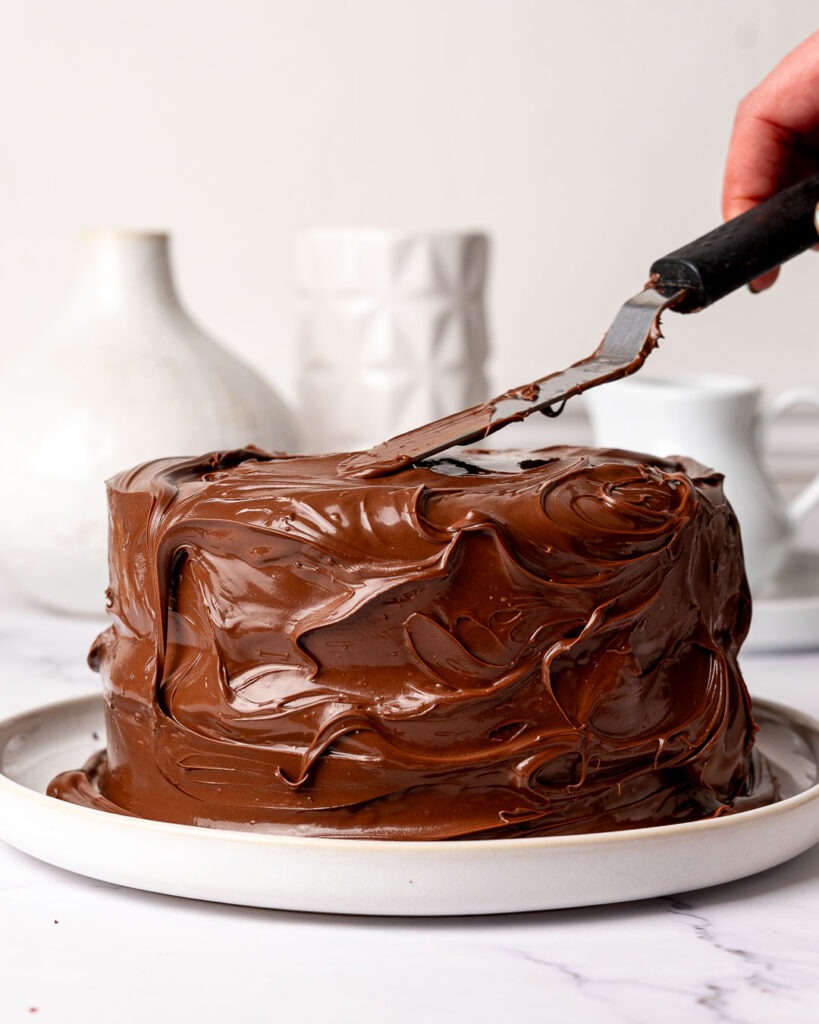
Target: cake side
{"x":531,"y":649}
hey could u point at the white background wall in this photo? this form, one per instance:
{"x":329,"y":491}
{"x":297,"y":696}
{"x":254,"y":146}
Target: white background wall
{"x":587,"y":137}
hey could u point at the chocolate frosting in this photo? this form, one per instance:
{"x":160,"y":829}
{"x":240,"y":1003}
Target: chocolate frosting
{"x":485,"y":647}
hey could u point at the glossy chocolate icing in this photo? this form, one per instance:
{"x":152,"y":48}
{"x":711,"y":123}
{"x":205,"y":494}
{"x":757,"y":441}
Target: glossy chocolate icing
{"x":481,"y":648}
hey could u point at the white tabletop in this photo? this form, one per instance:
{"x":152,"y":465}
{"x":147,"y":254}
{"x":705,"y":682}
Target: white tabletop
{"x":74,"y":949}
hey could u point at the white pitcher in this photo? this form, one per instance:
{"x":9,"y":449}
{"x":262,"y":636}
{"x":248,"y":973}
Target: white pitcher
{"x":717,"y":420}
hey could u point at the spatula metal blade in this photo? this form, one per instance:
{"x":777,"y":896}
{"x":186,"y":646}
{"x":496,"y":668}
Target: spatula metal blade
{"x":632,"y":336}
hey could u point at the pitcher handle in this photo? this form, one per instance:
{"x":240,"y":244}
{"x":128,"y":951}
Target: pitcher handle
{"x":809,"y":497}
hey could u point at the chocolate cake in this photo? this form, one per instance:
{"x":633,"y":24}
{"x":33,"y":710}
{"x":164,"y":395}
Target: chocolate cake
{"x":467,"y":648}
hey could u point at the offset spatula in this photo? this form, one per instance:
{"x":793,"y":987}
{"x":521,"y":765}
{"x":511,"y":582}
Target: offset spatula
{"x":685,"y":280}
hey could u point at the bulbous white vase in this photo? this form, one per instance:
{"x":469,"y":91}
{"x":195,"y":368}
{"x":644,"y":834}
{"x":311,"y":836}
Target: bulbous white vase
{"x":124,"y":375}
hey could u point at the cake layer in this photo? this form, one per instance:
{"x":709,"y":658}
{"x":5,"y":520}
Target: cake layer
{"x":492,"y":647}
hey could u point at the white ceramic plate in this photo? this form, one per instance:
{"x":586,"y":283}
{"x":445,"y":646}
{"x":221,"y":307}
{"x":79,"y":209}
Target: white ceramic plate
{"x":785,"y":615}
{"x":378,"y":877}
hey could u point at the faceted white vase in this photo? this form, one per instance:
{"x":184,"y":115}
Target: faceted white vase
{"x":124,"y":375}
{"x":391,"y":332}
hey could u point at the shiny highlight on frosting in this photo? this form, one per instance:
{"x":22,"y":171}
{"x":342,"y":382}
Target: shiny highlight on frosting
{"x":481,"y":648}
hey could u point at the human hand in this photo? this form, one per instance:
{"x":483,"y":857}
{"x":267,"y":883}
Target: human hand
{"x":775,"y":140}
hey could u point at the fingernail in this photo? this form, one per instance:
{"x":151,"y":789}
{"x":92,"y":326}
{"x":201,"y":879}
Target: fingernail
{"x":752,"y":288}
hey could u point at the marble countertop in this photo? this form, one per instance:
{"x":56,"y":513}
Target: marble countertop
{"x":76,"y":949}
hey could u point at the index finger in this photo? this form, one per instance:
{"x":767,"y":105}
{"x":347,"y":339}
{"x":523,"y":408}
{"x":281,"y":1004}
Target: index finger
{"x":769,"y":124}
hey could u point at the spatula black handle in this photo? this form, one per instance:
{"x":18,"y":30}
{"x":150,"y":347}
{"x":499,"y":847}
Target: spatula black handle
{"x":743,"y":248}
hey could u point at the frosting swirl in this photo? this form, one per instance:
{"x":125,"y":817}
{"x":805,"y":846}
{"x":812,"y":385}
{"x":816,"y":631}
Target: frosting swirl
{"x":466,"y":648}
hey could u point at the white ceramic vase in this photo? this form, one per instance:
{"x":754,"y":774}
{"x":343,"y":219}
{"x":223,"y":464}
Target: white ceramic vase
{"x":123,"y":376}
{"x":391,"y":331}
